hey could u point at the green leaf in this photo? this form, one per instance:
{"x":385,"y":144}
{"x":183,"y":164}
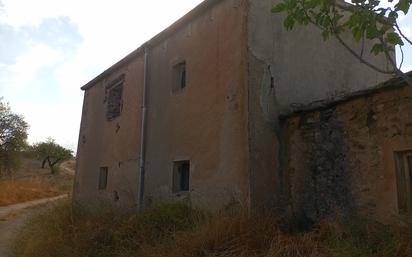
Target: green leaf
{"x":394,"y":39}
{"x":289,"y":22}
{"x":370,"y":33}
{"x":279,"y":8}
{"x":377,"y":49}
{"x":403,"y":5}
{"x":357,"y":33}
{"x":393,"y":15}
{"x":325,"y":35}
{"x":385,"y":28}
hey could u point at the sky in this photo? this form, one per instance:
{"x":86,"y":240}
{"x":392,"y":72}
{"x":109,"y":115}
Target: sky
{"x":50,"y":48}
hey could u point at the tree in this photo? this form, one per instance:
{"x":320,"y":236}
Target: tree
{"x":365,"y":19}
{"x":51,"y":153}
{"x":13,"y":136}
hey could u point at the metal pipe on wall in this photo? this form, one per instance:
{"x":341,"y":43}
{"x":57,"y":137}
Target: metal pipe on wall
{"x":142,"y":159}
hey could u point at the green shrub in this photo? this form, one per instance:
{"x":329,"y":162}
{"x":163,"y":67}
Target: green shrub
{"x":158,"y":224}
{"x":363,"y":239}
{"x":100,"y":232}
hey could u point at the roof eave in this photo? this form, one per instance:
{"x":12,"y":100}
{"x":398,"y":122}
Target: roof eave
{"x":194,"y":13}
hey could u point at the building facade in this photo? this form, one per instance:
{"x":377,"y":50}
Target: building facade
{"x":194,"y":112}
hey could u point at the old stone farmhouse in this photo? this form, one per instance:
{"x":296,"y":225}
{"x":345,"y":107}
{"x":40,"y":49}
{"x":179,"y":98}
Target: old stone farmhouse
{"x":225,"y":107}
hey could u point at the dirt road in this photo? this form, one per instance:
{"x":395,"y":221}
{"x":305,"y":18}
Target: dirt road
{"x":13,"y":217}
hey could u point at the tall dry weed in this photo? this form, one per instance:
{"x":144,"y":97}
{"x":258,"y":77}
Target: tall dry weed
{"x":177,"y":230}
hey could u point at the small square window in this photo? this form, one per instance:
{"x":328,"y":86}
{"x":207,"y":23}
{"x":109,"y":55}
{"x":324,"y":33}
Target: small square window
{"x":181,"y":176}
{"x":103,"y":178}
{"x":179,"y":77}
{"x":404,"y":181}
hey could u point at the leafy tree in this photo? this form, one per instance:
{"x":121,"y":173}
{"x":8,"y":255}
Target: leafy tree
{"x":13,"y":136}
{"x":51,"y":153}
{"x":365,"y":19}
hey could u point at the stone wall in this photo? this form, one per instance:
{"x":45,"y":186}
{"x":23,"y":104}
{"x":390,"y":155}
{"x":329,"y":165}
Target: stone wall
{"x":287,"y":70}
{"x":340,"y":157}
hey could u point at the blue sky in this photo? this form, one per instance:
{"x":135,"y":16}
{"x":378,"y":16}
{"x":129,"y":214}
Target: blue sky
{"x":49,"y":48}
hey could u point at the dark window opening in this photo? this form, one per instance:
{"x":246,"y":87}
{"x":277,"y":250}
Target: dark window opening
{"x":181,"y":176}
{"x":116,"y":196}
{"x":183,"y":78}
{"x":114,"y":102}
{"x":179,"y":77}
{"x":113,"y":98}
{"x":103,"y":178}
{"x":404,"y":181}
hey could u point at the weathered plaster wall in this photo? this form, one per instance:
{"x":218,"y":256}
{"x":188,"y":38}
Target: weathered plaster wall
{"x":243,"y":71}
{"x":263,"y":132}
{"x":113,"y":144}
{"x":206,"y":122}
{"x":341,"y":159}
{"x":306,"y":68}
{"x":289,"y":69}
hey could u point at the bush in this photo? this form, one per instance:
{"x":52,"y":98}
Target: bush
{"x":177,"y":230}
{"x":363,"y":238}
{"x":99,"y":232}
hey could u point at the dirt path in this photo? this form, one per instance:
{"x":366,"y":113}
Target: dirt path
{"x":13,"y":217}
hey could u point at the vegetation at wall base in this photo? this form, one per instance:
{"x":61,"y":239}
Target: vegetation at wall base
{"x":177,"y":230}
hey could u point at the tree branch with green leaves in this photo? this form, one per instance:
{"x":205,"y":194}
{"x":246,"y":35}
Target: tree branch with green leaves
{"x":365,"y":19}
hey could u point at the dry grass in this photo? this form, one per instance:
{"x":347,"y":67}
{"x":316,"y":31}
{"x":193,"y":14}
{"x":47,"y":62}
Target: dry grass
{"x":31,"y":182}
{"x":23,"y":190}
{"x":175,"y":230}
